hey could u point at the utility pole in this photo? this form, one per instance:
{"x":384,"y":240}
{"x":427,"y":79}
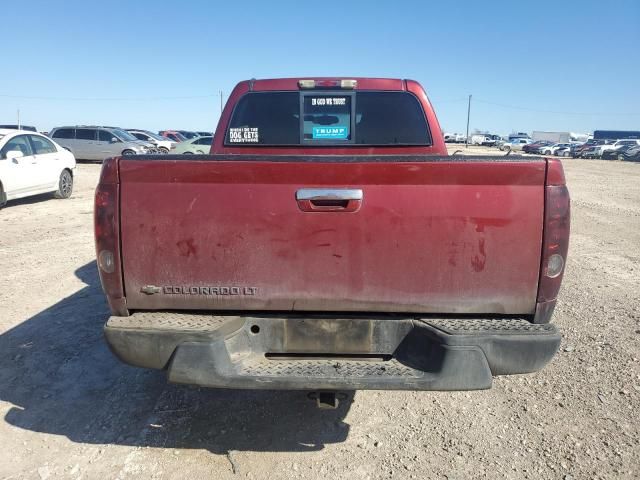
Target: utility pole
{"x":466,"y":140}
{"x":220,"y":102}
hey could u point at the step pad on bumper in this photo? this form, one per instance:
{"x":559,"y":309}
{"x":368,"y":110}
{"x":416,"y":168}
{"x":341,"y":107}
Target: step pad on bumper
{"x":472,"y":326}
{"x":170,"y":321}
{"x":328,"y":368}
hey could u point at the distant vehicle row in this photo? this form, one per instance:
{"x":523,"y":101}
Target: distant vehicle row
{"x":101,"y":142}
{"x":182,"y":135}
{"x":98,"y":143}
{"x":625,"y":149}
{"x":484,"y":139}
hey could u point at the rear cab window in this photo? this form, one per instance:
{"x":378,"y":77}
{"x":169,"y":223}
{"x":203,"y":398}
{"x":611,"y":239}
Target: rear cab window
{"x":328,"y":118}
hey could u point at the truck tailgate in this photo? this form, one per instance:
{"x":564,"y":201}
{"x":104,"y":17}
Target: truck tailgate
{"x":433,"y":235}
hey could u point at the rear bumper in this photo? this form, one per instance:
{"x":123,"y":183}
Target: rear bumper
{"x":334,"y":353}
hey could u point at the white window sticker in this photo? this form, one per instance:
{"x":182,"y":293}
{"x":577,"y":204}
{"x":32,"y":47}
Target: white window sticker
{"x":244,"y":135}
{"x":321,"y":101}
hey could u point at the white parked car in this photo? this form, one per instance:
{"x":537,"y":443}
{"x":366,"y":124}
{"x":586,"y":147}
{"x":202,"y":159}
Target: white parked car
{"x":515,"y":144}
{"x":197,"y":146}
{"x":163,"y":144}
{"x":31,"y":164}
{"x":552,"y":149}
{"x":486,"y":140}
{"x":618,"y":145}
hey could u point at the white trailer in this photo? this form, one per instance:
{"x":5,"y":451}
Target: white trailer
{"x":555,"y":137}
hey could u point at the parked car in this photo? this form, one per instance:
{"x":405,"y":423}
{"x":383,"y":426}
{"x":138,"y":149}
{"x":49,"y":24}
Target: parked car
{"x":631,"y":154}
{"x":615,"y":146}
{"x":575,"y":148}
{"x":198,"y":145}
{"x":535,"y":146}
{"x":172,"y":135}
{"x":188,"y":134}
{"x":19,"y":127}
{"x":514,"y":136}
{"x":98,"y":143}
{"x":455,"y":138}
{"x":205,"y":134}
{"x":483,"y":139}
{"x":227,"y":271}
{"x":564,"y":151}
{"x":31,"y":164}
{"x":579,"y":149}
{"x":618,"y":152}
{"x":551,"y":149}
{"x":515,"y":144}
{"x":163,"y":144}
{"x":592,"y":152}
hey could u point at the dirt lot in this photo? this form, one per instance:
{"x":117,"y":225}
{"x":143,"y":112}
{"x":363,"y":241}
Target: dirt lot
{"x":69,"y":409}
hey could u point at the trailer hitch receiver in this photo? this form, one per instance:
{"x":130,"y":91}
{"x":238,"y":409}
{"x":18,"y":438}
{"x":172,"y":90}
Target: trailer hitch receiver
{"x":327,"y":400}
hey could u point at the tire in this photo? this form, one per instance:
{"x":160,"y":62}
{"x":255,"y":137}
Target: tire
{"x":188,"y":153}
{"x":65,"y":185}
{"x":128,"y":152}
{"x":565,"y":154}
{"x":163,"y":151}
{"x":620,"y":157}
{"x":3,"y":198}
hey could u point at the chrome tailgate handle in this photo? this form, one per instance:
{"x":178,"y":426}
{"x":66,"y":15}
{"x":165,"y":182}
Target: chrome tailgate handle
{"x":329,"y":199}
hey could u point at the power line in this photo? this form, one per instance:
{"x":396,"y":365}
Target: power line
{"x":451,"y":100}
{"x":553,"y":111}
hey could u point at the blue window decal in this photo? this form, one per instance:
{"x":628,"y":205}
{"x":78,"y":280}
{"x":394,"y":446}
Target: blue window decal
{"x":333,"y":133}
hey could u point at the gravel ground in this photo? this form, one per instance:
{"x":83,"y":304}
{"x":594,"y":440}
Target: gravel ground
{"x":71,"y":410}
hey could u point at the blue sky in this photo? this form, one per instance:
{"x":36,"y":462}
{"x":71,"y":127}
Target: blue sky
{"x":570,"y":66}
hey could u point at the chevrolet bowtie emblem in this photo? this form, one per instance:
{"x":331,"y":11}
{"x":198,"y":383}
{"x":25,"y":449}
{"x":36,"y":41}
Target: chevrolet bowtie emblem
{"x":150,"y":289}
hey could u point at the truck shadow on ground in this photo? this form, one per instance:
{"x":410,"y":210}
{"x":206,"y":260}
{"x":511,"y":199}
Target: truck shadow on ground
{"x":61,"y":379}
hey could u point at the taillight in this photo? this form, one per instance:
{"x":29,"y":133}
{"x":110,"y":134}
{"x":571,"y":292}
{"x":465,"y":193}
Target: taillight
{"x":107,"y":233}
{"x":555,"y":242}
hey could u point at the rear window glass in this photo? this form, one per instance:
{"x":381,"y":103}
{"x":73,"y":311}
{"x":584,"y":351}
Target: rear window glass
{"x":390,"y":118}
{"x":328,"y":117}
{"x":271,"y":118}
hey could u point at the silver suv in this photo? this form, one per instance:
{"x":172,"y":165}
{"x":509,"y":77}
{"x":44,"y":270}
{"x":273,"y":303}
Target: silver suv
{"x":98,"y":143}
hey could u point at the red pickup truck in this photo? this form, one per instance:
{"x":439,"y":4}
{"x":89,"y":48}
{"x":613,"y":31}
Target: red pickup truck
{"x":329,"y":243}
